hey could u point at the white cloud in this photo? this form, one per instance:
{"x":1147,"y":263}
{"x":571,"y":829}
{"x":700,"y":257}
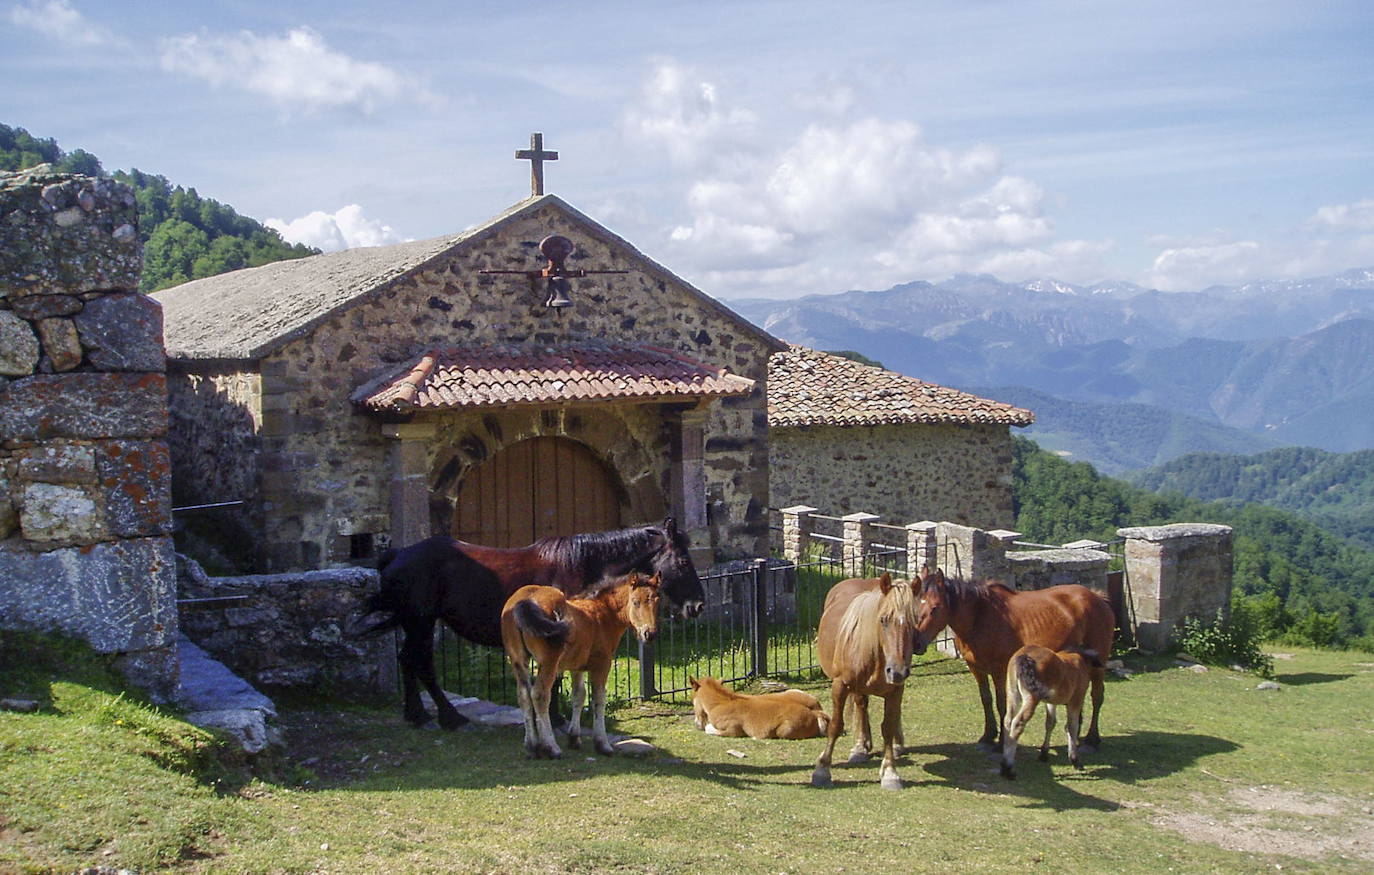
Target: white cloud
{"x":685,"y":114}
{"x":59,"y":20}
{"x":295,"y":70}
{"x":1358,"y":216}
{"x":345,"y":228}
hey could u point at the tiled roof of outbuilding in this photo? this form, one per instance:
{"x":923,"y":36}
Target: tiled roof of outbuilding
{"x":508,"y":374}
{"x":808,"y":387}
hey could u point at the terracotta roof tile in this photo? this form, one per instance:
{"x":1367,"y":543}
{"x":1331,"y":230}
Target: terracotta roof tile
{"x":807,"y":387}
{"x":502,"y":375}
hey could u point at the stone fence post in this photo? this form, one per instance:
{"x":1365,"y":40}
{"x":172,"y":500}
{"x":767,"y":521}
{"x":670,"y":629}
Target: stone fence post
{"x":1173,"y":572}
{"x":85,"y":474}
{"x":973,"y":554}
{"x":797,"y":526}
{"x":920,"y":547}
{"x":858,"y":534}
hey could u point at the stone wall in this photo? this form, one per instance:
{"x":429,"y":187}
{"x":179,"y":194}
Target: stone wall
{"x":902,"y":473}
{"x":289,"y":630}
{"x":325,"y":466}
{"x":85,"y":503}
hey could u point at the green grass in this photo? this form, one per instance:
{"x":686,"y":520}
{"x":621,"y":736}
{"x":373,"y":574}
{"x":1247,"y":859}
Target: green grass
{"x":357,"y":791}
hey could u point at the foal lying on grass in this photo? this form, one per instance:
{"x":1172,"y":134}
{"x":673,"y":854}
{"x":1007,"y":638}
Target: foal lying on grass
{"x":721,"y":711}
{"x":1037,"y":674}
{"x":575,"y":634}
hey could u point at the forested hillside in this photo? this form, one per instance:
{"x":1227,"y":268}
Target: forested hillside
{"x":1299,"y":580}
{"x":1334,"y":490}
{"x":185,"y":236}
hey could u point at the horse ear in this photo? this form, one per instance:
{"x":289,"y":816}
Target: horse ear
{"x":885,"y":582}
{"x":696,"y":684}
{"x":670,"y":526}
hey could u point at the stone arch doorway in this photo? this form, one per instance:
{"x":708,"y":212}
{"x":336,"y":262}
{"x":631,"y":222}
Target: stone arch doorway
{"x":536,"y":488}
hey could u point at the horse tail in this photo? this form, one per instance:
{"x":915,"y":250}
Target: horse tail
{"x":532,"y":619}
{"x":1029,"y":676}
{"x":1090,"y":656}
{"x":384,"y":601}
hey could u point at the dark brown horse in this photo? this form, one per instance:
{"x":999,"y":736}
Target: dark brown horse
{"x":991,"y":622}
{"x":864,"y":645}
{"x":466,"y":585}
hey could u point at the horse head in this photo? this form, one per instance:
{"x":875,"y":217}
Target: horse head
{"x":932,"y":608}
{"x":642,"y":608}
{"x":896,"y":616}
{"x":672,"y":562}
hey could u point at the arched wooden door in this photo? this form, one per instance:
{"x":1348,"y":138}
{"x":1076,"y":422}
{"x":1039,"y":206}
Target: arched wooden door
{"x":535,"y":488}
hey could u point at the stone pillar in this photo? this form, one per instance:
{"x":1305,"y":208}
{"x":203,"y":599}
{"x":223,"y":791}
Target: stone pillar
{"x":687,"y":489}
{"x":857,"y":537}
{"x":920,"y":546}
{"x":409,"y":462}
{"x":1173,"y":572}
{"x":973,"y":554}
{"x":85,"y":475}
{"x":797,"y":526}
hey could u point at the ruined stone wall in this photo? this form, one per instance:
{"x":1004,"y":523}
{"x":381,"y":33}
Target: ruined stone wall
{"x":85,"y":503}
{"x":330,"y":462}
{"x":289,"y":630}
{"x":903,"y":473}
{"x":1176,"y":571}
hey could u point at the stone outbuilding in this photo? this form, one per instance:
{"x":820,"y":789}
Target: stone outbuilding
{"x":381,"y":395}
{"x":848,"y":437}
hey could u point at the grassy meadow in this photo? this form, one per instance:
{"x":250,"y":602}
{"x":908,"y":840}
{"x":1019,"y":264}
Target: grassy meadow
{"x":1200,"y":772}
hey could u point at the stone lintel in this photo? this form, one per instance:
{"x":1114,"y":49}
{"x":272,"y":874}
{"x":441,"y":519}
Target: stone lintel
{"x":798,"y":509}
{"x":1172,"y":532}
{"x":860,"y":517}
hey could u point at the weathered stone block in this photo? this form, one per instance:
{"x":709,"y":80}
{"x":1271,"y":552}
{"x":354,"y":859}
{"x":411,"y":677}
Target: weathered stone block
{"x":64,"y":234}
{"x":84,"y":406}
{"x":36,"y":307}
{"x":119,"y":596}
{"x":18,"y":346}
{"x":60,"y":343}
{"x":54,"y":512}
{"x":136,"y":478}
{"x":57,"y":463}
{"x":123,"y":333}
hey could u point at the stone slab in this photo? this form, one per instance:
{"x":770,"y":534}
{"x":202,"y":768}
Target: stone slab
{"x":84,"y":406}
{"x":122,"y":333}
{"x":119,"y":595}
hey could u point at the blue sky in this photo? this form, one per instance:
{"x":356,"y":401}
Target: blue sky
{"x":757,"y":149}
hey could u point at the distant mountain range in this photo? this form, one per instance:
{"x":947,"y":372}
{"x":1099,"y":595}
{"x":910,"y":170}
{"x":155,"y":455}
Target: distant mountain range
{"x":1287,"y":362}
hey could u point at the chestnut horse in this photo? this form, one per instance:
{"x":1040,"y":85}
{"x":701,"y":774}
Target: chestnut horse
{"x":719,"y":710}
{"x":991,"y":622}
{"x":1037,"y":674}
{"x":466,"y":585}
{"x":576,"y":634}
{"x":864,"y":644}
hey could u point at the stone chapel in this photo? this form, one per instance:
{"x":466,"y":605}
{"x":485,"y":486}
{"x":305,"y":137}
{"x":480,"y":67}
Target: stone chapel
{"x":380,"y":395}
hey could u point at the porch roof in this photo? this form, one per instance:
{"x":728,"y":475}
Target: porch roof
{"x":506,"y":375}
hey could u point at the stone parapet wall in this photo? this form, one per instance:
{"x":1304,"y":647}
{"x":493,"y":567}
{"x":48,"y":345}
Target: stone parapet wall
{"x":85,"y":499}
{"x":1039,"y":569}
{"x":289,"y":630}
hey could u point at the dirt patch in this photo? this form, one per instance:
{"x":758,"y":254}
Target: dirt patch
{"x":1273,"y":820}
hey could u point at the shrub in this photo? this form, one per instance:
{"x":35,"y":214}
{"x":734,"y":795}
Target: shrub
{"x":1225,"y":641}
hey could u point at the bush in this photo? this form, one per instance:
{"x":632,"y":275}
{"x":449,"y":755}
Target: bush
{"x":1225,"y":641}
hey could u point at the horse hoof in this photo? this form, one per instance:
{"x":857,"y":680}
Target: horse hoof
{"x":605,"y":750}
{"x":1008,"y":772}
{"x":989,"y":746}
{"x":891,"y":782}
{"x":1088,"y":748}
{"x":574,"y":742}
{"x":856,"y":757}
{"x":1076,"y":764}
{"x":820,"y":779}
{"x":1044,"y":756}
{"x":453,"y":721}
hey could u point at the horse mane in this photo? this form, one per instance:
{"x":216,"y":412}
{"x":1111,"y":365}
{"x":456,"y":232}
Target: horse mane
{"x":959,"y":591}
{"x":609,"y":582}
{"x":859,"y":632}
{"x":597,"y":549}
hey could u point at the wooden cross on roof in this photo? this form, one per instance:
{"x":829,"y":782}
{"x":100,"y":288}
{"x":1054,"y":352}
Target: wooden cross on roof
{"x":536,"y":155}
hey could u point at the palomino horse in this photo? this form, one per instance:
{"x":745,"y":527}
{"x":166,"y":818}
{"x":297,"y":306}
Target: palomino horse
{"x":991,"y":622}
{"x":720,"y":710}
{"x":864,"y":645}
{"x":1037,"y":674}
{"x":466,"y":585}
{"x":578,"y":635}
